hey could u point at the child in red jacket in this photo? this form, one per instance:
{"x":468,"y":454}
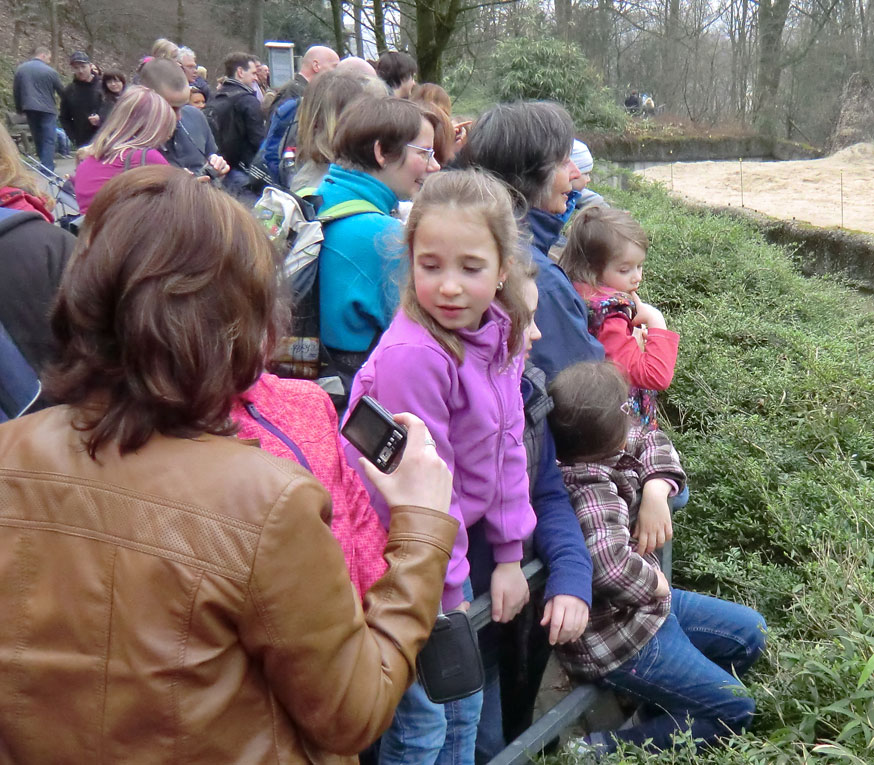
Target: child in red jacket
{"x":604,"y":259}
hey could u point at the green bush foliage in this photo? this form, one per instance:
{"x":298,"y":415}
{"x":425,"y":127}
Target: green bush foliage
{"x":772,"y":409}
{"x":553,"y":70}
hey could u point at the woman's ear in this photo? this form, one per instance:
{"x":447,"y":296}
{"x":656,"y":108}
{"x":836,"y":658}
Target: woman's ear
{"x":379,"y":155}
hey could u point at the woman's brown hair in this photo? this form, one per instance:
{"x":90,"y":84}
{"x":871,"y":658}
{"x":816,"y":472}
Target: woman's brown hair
{"x":596,"y":236}
{"x":324,"y":100}
{"x":588,"y":421}
{"x":472,"y":192}
{"x":166,"y":311}
{"x":394,"y":122}
{"x":429,"y":93}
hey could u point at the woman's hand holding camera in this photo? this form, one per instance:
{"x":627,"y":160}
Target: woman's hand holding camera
{"x":421,"y":478}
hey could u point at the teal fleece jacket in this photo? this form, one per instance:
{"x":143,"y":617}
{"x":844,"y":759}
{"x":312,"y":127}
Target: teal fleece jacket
{"x":361,"y":263}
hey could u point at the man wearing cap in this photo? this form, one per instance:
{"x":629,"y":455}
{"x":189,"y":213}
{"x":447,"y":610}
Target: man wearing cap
{"x":34,"y":89}
{"x":81,"y":101}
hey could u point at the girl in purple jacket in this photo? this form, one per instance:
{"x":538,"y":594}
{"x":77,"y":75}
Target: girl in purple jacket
{"x":452,"y":355}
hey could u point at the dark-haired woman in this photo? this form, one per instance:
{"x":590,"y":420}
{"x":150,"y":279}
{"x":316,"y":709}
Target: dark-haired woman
{"x":528,"y":145}
{"x":179,"y":589}
{"x":383,"y":151}
{"x":113,"y":85}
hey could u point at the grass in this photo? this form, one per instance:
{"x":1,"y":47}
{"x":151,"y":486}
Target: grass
{"x":772,"y":409}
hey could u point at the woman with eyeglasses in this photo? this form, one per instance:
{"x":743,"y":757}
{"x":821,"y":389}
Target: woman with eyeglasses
{"x":383,"y":151}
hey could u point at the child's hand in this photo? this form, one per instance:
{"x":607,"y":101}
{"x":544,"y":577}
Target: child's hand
{"x":639,"y":334}
{"x":653,"y":527}
{"x":647,"y":314}
{"x":663,"y":589}
{"x":567,"y":618}
{"x":509,"y":591}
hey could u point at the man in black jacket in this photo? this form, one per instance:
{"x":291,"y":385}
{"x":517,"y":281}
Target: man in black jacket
{"x":236,"y":118}
{"x":80,"y":103}
{"x":34,"y":89}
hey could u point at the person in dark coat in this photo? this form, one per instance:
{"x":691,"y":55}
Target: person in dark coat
{"x":34,"y":88}
{"x":239,"y":123}
{"x":113,"y":85}
{"x":33,"y":254}
{"x":81,"y":101}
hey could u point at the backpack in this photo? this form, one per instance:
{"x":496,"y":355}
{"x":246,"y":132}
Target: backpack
{"x":19,"y":383}
{"x":270,"y":152}
{"x":226,"y":126}
{"x":295,"y":223}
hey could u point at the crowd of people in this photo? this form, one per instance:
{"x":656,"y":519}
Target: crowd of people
{"x":197,"y":561}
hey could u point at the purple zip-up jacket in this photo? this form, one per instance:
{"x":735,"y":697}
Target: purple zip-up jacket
{"x":474,"y":412}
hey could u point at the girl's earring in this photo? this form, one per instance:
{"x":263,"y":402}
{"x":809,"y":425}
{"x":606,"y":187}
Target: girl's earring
{"x":500,"y":286}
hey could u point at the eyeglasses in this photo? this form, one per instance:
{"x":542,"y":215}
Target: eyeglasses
{"x":426,"y":154}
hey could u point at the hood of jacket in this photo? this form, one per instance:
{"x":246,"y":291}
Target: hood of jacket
{"x":232,"y":87}
{"x":342,"y":184}
{"x":545,"y":228}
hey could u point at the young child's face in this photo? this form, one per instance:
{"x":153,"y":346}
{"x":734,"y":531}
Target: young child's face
{"x":456,"y":267}
{"x":580,"y":183}
{"x":624,"y":272}
{"x":531,"y":333}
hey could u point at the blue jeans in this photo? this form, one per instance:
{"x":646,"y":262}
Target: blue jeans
{"x":42,"y":128}
{"x":685,"y":671}
{"x":425,"y":733}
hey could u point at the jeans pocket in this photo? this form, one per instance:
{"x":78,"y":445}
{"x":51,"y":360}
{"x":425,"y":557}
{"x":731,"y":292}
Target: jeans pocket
{"x":641,"y":664}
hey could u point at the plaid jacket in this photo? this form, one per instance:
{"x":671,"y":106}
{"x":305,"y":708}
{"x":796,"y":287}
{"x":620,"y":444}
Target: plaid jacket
{"x":606,"y":498}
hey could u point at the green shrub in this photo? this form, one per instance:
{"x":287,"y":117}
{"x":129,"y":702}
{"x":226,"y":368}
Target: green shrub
{"x":772,"y":409}
{"x":548,"y":69}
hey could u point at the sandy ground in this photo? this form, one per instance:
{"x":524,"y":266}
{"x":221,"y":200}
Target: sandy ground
{"x":805,"y":190}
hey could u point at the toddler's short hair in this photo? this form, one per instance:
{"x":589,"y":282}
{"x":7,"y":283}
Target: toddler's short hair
{"x":589,"y":421}
{"x":596,"y":236}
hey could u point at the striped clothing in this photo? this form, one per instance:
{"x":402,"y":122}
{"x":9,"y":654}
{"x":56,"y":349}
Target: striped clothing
{"x":606,"y":498}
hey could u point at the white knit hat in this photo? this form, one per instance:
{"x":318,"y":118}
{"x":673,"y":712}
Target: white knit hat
{"x":582,"y":157}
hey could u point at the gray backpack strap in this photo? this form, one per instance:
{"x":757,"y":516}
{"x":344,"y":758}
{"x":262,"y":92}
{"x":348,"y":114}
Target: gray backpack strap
{"x":127,"y":158}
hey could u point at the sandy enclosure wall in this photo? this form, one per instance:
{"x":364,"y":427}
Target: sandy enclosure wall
{"x":823,"y":192}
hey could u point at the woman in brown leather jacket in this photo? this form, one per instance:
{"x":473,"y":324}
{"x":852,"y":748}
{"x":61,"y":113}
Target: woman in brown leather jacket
{"x":170,"y":594}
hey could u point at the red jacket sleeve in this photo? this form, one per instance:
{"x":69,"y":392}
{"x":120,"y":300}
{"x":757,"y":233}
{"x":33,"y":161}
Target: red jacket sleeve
{"x":653,"y":368}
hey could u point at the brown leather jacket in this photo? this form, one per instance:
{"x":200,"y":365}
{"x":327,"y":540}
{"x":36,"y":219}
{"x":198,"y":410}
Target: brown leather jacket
{"x":187,"y":603}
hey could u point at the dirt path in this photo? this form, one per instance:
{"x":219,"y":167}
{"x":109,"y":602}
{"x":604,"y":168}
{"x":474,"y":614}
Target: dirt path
{"x":806,"y":190}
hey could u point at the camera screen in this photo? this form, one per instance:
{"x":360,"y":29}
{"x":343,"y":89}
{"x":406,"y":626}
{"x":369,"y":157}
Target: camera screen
{"x":366,"y":430}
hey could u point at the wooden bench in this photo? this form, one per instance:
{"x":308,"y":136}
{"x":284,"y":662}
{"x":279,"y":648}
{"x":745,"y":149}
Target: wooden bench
{"x":16,"y":125}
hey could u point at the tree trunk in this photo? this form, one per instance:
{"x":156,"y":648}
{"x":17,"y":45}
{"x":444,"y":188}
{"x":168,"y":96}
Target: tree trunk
{"x":563,"y":16}
{"x":359,"y":39}
{"x":337,"y":22}
{"x":435,"y":24}
{"x":53,"y":30}
{"x":256,"y":27}
{"x":379,"y":27}
{"x":772,"y":20}
{"x":180,"y":20}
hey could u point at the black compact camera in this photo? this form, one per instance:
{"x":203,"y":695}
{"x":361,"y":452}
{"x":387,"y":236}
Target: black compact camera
{"x":209,"y":171}
{"x":373,"y":431}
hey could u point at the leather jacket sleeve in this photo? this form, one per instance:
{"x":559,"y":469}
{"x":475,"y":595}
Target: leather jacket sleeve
{"x":337,"y":671}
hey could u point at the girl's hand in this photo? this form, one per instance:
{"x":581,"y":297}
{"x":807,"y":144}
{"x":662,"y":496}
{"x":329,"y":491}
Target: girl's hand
{"x":509,"y":591}
{"x":654,"y":526}
{"x":421,"y":479}
{"x":647,"y":314}
{"x":567,"y":618}
{"x":639,"y":334}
